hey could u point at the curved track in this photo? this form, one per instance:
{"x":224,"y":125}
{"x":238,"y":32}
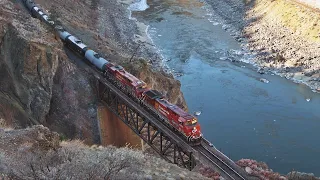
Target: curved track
{"x":226,"y":169}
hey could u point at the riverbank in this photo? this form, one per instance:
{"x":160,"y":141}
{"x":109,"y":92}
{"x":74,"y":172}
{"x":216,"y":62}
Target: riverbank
{"x":284,"y":36}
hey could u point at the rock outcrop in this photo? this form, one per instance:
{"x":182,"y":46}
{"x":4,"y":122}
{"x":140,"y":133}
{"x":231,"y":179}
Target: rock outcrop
{"x":262,"y":171}
{"x":298,"y":175}
{"x":39,"y":85}
{"x":28,"y":62}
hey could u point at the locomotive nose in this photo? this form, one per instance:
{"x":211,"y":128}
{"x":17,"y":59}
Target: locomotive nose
{"x":196,"y":131}
{"x":198,"y":128}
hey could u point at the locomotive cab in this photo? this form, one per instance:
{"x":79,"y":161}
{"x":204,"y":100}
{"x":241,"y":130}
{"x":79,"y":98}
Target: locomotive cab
{"x":140,"y":87}
{"x":150,"y":96}
{"x":192,"y":129}
{"x":132,"y":84}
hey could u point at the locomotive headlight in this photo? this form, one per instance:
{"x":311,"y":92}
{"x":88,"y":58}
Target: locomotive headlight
{"x":194,"y":129}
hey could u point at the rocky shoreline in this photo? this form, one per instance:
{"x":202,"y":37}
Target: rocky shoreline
{"x":285,"y":42}
{"x":282,"y":42}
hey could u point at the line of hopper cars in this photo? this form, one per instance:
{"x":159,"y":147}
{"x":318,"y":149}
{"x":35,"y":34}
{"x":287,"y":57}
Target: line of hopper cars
{"x":151,"y":99}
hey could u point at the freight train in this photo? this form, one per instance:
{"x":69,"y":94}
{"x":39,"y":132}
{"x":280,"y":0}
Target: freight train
{"x":170,"y":114}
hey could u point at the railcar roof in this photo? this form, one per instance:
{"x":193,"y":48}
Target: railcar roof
{"x":153,"y":94}
{"x":180,"y":112}
{"x":133,"y":80}
{"x":77,"y":41}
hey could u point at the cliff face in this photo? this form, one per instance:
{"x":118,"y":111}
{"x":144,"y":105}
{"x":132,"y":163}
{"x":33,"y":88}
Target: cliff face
{"x":73,"y":104}
{"x":38,"y":83}
{"x":28,"y":61}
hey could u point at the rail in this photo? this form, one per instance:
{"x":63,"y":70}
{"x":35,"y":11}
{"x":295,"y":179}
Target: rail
{"x":227,"y":170}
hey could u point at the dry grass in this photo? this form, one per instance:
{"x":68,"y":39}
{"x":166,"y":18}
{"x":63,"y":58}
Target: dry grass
{"x":298,"y":18}
{"x":73,"y":160}
{"x":8,"y":115}
{"x":3,"y":125}
{"x":37,"y":153}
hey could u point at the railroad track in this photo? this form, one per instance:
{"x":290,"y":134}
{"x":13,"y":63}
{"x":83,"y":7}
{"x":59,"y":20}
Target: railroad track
{"x":226,"y":169}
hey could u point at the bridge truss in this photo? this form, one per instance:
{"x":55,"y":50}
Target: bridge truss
{"x":167,"y":144}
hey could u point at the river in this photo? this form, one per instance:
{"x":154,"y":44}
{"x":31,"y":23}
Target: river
{"x":276,"y":122}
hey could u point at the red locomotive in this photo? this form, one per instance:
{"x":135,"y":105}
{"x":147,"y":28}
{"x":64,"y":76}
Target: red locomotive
{"x":182,"y":121}
{"x":126,"y":80}
{"x":171,"y":114}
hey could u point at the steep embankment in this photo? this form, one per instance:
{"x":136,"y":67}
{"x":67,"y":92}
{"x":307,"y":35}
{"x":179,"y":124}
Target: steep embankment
{"x":37,"y":153}
{"x":285,"y":35}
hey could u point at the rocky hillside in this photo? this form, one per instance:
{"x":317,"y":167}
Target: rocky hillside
{"x":39,"y":83}
{"x":262,"y":171}
{"x":37,"y":153}
{"x":285,"y":36}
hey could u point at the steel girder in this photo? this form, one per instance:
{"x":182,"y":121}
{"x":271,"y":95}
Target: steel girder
{"x":146,"y":129}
